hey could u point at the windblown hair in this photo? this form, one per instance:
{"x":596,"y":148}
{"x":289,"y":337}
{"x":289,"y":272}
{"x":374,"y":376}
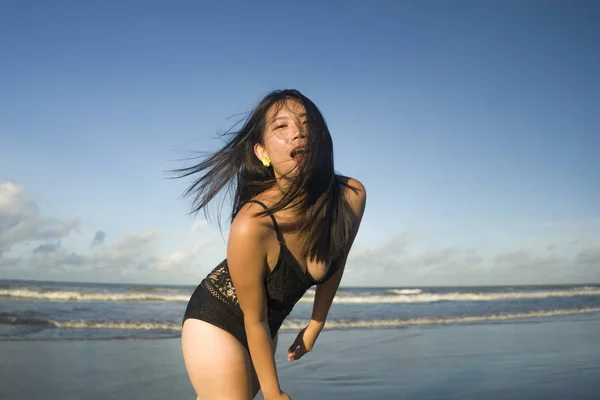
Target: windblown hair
{"x":314,"y":191}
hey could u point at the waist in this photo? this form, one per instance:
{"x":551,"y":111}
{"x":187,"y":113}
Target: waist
{"x":206,"y":291}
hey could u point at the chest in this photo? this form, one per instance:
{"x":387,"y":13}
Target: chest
{"x":314,"y":271}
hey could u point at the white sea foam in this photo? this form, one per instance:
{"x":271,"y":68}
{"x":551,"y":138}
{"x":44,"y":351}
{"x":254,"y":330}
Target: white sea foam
{"x":295,"y":324}
{"x":437,"y":297}
{"x":135,"y":325}
{"x":395,"y":296}
{"x":404,"y":291}
{"x":90,"y":296}
{"x":383,"y":323}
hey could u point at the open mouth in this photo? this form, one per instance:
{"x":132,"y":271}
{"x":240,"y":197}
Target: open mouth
{"x":298,"y":151}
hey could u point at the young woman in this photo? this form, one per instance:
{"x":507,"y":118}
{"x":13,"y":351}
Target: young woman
{"x":293,"y":223}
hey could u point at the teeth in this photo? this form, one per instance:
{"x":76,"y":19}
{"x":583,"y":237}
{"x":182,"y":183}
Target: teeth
{"x":297,"y":151}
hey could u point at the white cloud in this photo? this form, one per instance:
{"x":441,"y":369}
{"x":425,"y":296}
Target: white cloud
{"x":401,"y":259}
{"x":134,"y":253}
{"x":527,"y":261}
{"x":186,"y":256}
{"x":385,"y":254}
{"x":400,"y":253}
{"x":21,"y":222}
{"x":198,"y":226}
{"x":10,"y":262}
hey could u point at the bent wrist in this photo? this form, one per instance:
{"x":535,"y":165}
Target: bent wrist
{"x":272,"y":393}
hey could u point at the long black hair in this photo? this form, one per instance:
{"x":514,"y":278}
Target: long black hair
{"x":313,"y":190}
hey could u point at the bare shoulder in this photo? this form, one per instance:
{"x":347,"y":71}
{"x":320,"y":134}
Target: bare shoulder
{"x":248,"y":227}
{"x":355,"y":192}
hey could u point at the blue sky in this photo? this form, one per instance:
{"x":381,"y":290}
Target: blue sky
{"x":473,"y":125}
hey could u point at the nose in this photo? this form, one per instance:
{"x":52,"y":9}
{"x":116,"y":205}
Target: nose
{"x":299,"y":135}
{"x":301,"y":132}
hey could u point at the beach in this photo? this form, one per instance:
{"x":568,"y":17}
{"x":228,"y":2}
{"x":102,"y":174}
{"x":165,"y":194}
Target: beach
{"x":427,"y":177}
{"x":541,"y":358}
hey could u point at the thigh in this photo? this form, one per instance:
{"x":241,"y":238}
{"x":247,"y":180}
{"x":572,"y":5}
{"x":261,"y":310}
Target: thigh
{"x":218,"y":365}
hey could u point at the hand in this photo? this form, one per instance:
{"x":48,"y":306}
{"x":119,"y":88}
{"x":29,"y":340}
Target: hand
{"x":303,"y":344}
{"x":281,"y":396}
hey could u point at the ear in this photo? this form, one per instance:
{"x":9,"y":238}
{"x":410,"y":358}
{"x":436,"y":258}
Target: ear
{"x":260,"y":151}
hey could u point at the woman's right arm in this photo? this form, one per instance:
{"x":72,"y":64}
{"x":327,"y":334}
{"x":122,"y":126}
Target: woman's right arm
{"x":246,"y":258}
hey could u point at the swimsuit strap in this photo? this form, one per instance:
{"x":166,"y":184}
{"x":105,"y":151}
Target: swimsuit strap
{"x":277,"y":231}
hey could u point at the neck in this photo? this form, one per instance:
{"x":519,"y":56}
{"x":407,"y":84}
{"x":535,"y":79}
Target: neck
{"x":277,"y":192}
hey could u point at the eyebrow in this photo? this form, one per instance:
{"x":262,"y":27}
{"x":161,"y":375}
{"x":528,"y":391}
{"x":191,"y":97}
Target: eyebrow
{"x":285,"y":117}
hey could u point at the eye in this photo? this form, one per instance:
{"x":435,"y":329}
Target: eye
{"x":280,"y":126}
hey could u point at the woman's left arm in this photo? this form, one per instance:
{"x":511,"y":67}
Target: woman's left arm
{"x":326,"y":291}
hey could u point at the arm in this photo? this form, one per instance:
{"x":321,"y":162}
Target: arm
{"x":326,"y":291}
{"x":357,"y":197}
{"x":324,"y":295}
{"x":246,"y":258}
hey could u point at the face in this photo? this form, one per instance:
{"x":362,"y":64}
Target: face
{"x":284,"y":137}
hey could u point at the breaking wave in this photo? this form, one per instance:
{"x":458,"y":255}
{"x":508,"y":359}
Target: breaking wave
{"x":438,"y":297}
{"x":295,"y":324}
{"x":404,"y":291}
{"x":343,"y":297}
{"x":60,"y":295}
{"x":384,"y":323}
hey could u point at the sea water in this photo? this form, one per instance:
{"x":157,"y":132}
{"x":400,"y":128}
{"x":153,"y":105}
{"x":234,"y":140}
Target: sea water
{"x":35,"y":310}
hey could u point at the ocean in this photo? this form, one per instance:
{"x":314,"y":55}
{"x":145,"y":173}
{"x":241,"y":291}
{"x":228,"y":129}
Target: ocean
{"x":35,"y":310}
{"x":66,"y":341}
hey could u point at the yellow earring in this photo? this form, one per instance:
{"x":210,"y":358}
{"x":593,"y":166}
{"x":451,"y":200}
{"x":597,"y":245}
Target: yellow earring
{"x":266,"y":161}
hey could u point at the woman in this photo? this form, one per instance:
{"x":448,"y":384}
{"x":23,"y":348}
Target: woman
{"x":293,"y":223}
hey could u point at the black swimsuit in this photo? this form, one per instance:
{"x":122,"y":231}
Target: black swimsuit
{"x":215,"y":300}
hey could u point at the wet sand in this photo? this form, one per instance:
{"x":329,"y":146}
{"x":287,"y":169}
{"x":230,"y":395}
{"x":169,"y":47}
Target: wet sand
{"x":548,"y":358}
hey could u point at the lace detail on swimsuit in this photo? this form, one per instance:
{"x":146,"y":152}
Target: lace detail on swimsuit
{"x":219,"y":284}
